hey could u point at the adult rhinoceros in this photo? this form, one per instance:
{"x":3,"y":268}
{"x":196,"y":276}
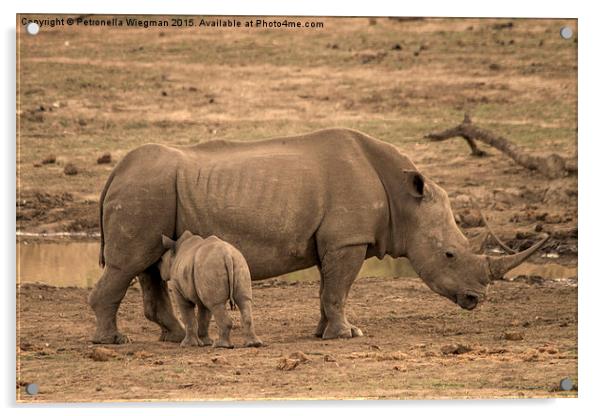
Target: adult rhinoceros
{"x":331,"y":198}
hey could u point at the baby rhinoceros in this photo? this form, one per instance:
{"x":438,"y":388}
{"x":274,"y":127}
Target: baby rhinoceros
{"x":207,"y":273}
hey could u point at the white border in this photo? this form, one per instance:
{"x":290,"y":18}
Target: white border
{"x":590,"y":161}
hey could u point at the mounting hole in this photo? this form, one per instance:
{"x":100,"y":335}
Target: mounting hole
{"x":566,"y":384}
{"x":32,"y":389}
{"x":32,"y":28}
{"x":566,"y":32}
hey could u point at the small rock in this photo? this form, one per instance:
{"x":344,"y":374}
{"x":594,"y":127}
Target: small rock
{"x":455,"y":349}
{"x":49,"y":160}
{"x":495,"y":67}
{"x":299,"y":355}
{"x":70,"y":169}
{"x":82,"y":122}
{"x":102,"y":354}
{"x":98,"y":388}
{"x":164,"y":93}
{"x":104,"y":158}
{"x":287,"y":364}
{"x":391,"y":356}
{"x":329,"y":358}
{"x":538,"y":227}
{"x":158,"y":362}
{"x":237,"y":372}
{"x":397,"y":47}
{"x":220,"y":360}
{"x":37,"y":165}
{"x":514,"y":336}
{"x":141,"y":355}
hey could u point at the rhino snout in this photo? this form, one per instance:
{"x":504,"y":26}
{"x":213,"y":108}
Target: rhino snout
{"x":469,"y":300}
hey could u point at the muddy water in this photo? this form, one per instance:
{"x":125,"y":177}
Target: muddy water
{"x":76,"y":264}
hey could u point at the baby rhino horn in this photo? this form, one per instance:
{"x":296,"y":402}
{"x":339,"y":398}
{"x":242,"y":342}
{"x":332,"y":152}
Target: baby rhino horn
{"x":167,"y":242}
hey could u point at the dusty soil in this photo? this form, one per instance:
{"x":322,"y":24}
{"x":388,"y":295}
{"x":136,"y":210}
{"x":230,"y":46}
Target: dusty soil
{"x":83,"y":92}
{"x":417,"y":345}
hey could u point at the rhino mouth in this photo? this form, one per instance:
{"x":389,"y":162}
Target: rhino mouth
{"x":468,"y":300}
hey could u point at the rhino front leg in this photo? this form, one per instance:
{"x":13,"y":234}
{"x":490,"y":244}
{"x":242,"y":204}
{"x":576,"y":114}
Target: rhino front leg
{"x":323,"y":321}
{"x":338,"y":270}
{"x":157,"y":305}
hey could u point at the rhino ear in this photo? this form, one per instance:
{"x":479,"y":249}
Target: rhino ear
{"x":167,"y":242}
{"x":414,"y":182}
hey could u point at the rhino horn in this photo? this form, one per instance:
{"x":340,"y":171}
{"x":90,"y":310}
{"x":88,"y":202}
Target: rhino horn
{"x":477,"y":243}
{"x":498,"y":266}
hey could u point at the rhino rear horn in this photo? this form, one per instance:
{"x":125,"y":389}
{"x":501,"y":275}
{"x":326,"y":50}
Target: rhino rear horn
{"x":499,"y":266}
{"x":477,"y":243}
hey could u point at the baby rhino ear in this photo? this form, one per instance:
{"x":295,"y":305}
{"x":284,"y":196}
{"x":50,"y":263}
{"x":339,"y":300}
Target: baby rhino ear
{"x":167,"y":242}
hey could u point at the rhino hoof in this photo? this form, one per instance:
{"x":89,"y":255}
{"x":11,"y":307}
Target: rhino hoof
{"x":256,"y":343}
{"x":356,"y":332}
{"x":191,"y":342}
{"x":223,"y":344}
{"x":116,"y":338}
{"x":172,"y":336}
{"x":206,"y":342}
{"x":350,"y":332}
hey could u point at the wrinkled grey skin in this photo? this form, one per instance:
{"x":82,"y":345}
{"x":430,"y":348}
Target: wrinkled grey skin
{"x":207,"y":273}
{"x":331,"y":198}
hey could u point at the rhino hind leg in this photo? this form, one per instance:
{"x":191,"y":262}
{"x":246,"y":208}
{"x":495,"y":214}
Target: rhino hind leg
{"x":158,"y":307}
{"x":338,"y":270}
{"x":224,"y":326}
{"x":204,"y":318}
{"x":104,"y":300}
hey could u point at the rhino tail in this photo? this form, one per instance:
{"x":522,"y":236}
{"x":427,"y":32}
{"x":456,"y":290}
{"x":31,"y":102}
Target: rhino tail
{"x":230,"y":271}
{"x":101,"y":257}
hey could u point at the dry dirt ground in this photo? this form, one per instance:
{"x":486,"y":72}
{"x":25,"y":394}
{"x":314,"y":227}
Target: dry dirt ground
{"x":83,"y":92}
{"x":417,"y":345}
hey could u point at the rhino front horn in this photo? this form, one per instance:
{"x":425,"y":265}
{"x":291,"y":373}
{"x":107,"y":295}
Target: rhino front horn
{"x":498,"y":266}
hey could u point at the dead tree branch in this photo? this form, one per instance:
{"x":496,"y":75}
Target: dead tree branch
{"x":552,"y":166}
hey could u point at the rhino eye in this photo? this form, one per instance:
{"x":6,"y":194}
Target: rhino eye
{"x":449,"y":255}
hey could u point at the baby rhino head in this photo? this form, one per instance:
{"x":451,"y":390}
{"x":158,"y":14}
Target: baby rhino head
{"x":170,"y":246}
{"x":167,"y":259}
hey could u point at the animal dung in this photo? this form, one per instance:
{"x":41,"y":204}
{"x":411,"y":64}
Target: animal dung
{"x":514,"y":335}
{"x":102,"y":354}
{"x":70,"y":169}
{"x":457,"y":349}
{"x":287,"y":364}
{"x":219,"y":360}
{"x":141,"y":355}
{"x":50,"y":159}
{"x":105,"y":158}
{"x":299,"y":355}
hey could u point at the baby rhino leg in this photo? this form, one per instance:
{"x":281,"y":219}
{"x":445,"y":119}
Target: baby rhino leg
{"x":224,"y":325}
{"x":187,"y":311}
{"x":246,"y":314}
{"x":204,"y":317}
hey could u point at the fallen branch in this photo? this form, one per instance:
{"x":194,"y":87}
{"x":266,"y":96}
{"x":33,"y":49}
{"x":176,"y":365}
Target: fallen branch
{"x":552,"y":166}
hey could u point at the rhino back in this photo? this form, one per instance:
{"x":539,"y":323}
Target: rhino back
{"x":269,"y":198}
